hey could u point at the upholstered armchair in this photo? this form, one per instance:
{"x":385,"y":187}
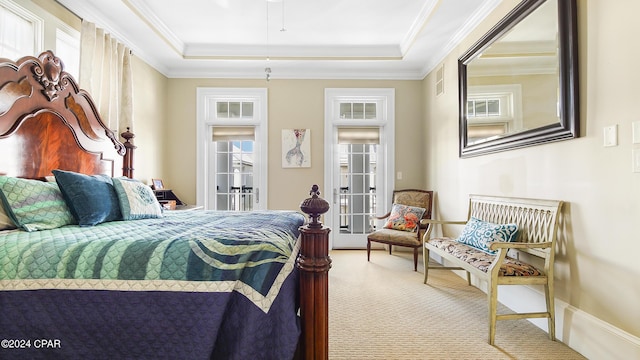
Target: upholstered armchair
{"x":402,"y":227}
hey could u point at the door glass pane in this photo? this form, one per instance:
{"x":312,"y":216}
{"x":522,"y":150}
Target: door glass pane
{"x":481,"y":108}
{"x":358,"y":111}
{"x":234,"y":110}
{"x":357,"y":188}
{"x":247,"y":110}
{"x":234,"y":175}
{"x":345,"y":111}
{"x":370,"y":110}
{"x":493,"y":107}
{"x":222,"y":109}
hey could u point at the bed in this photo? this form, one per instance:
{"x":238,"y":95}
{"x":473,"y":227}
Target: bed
{"x":94,"y":268}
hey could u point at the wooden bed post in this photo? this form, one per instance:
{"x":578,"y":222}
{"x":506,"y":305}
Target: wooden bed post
{"x":314,"y":264}
{"x":127,"y":161}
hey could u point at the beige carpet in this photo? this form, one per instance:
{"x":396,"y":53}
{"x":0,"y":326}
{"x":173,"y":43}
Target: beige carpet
{"x":382,"y":310}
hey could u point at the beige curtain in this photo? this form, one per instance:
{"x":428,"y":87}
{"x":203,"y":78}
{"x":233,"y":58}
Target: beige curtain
{"x":105,"y":72}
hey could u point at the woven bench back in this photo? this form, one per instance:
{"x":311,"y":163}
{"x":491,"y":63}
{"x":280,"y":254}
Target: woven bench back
{"x":537,"y":219}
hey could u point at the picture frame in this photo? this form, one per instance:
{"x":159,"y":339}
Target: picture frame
{"x":157,"y":184}
{"x":296,"y":148}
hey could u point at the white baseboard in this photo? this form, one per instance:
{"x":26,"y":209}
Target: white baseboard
{"x":581,"y":331}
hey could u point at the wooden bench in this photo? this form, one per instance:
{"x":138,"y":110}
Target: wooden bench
{"x":534,"y":250}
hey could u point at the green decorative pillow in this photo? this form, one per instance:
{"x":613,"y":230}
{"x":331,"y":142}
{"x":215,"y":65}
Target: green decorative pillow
{"x":34,"y":205}
{"x":404,"y":217}
{"x":91,"y":198}
{"x":137,"y":200}
{"x":478,"y":233}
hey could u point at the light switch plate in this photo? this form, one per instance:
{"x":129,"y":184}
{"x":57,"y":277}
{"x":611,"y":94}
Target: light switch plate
{"x":635,"y":157}
{"x":611,"y":135}
{"x":635,"y":131}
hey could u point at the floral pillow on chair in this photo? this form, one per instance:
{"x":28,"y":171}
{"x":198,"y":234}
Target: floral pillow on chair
{"x":404,"y":217}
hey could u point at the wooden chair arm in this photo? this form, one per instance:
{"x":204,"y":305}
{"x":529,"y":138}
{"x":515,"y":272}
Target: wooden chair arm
{"x":495,"y":245}
{"x":383,"y":216}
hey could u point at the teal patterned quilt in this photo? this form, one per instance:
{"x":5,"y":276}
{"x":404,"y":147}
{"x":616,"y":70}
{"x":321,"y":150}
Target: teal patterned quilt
{"x":196,"y":251}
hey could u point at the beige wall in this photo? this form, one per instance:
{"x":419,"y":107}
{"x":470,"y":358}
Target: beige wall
{"x":597,"y":269}
{"x":291,"y":104}
{"x":149,"y":115}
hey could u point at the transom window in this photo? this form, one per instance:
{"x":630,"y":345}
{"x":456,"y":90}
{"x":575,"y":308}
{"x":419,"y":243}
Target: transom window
{"x":484,"y":108}
{"x":234,"y":110}
{"x":357,"y":110}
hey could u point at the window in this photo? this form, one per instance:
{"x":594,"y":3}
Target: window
{"x":357,"y":110}
{"x":493,"y":111}
{"x":21,"y":32}
{"x":68,"y":49}
{"x":483,"y":108}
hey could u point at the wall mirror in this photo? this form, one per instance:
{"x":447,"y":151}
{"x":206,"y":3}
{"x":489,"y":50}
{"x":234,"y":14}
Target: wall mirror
{"x":519,"y":82}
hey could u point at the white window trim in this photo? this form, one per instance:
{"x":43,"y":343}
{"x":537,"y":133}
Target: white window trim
{"x":206,"y":117}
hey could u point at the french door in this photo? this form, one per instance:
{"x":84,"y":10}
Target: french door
{"x":231,"y":148}
{"x":359,"y":167}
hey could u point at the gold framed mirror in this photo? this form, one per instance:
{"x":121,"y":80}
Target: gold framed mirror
{"x":519,"y":83}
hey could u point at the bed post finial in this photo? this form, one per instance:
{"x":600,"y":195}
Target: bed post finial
{"x":314,"y":264}
{"x":127,"y":162}
{"x":314,"y":207}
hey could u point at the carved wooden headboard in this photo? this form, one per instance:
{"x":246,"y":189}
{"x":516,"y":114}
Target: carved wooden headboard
{"x":47,"y":122}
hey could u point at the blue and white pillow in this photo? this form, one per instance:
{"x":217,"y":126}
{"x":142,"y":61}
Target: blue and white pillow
{"x":478,"y":233}
{"x":137,"y":200}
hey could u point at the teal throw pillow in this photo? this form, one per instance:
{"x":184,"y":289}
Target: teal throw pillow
{"x":91,"y":198}
{"x":137,"y":200}
{"x":478,"y":233}
{"x":404,"y":217}
{"x":34,"y":205}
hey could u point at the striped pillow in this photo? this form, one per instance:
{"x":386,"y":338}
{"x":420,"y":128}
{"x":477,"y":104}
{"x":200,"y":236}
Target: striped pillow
{"x":34,"y":205}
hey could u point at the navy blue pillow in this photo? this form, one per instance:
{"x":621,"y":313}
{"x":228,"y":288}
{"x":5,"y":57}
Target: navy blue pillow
{"x":92,"y":199}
